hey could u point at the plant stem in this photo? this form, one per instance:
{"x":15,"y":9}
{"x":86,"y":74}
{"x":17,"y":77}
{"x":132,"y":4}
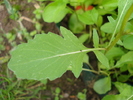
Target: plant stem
{"x":96,"y":72}
{"x":114,"y":42}
{"x":90,"y":70}
{"x":103,"y":72}
{"x":118,"y":36}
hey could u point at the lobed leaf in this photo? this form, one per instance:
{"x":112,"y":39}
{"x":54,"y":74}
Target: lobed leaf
{"x":48,"y":56}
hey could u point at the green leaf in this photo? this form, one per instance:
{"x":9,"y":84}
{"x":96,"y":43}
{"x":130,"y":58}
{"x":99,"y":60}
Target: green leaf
{"x":75,"y":25}
{"x":128,"y":42}
{"x":129,"y":27}
{"x":48,"y":56}
{"x":55,"y":11}
{"x":102,"y":58}
{"x":99,"y":21}
{"x":123,"y":78}
{"x":86,"y":59}
{"x":124,"y":89}
{"x":12,"y":11}
{"x":79,"y":1}
{"x":95,"y":38}
{"x":109,"y":5}
{"x":102,"y":85}
{"x":84,"y":37}
{"x":9,"y":7}
{"x":130,"y":68}
{"x":75,"y":2}
{"x":127,"y":58}
{"x":114,"y":52}
{"x":114,"y":97}
{"x":89,"y":17}
{"x":109,"y":27}
{"x":57,"y":90}
{"x":126,"y":92}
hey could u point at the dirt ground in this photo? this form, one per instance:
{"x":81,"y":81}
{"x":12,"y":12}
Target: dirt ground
{"x":69,"y":85}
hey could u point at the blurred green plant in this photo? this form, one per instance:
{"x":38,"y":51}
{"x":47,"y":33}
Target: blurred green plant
{"x":12,"y":88}
{"x":57,"y":94}
{"x":82,"y":95}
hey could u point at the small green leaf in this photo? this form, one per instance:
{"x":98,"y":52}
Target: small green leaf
{"x":109,"y":5}
{"x":124,"y":89}
{"x":127,"y":58}
{"x":128,"y":42}
{"x":75,"y":2}
{"x":75,"y":25}
{"x":126,"y":92}
{"x":95,"y":38}
{"x":114,"y":52}
{"x":57,"y":90}
{"x":9,"y":7}
{"x":12,"y":11}
{"x":114,"y":97}
{"x":48,"y":56}
{"x":78,"y":1}
{"x":89,"y":17}
{"x":102,"y":85}
{"x":123,"y":78}
{"x":109,"y":27}
{"x":55,"y":11}
{"x":99,"y":21}
{"x":81,"y":96}
{"x":129,"y":27}
{"x":86,"y":59}
{"x":102,"y":58}
{"x":84,"y":37}
{"x":130,"y":68}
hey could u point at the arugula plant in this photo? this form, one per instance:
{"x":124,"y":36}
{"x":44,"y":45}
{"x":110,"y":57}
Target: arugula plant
{"x":48,"y":56}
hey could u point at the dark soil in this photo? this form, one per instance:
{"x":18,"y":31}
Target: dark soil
{"x":69,"y":85}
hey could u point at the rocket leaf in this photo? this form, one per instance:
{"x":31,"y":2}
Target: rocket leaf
{"x":48,"y":56}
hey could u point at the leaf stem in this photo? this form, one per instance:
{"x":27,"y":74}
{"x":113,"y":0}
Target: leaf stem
{"x":130,"y":97}
{"x":96,"y":72}
{"x":93,"y":49}
{"x":84,"y":69}
{"x":103,"y":72}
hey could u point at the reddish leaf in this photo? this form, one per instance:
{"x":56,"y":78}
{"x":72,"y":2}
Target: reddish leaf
{"x":89,"y":8}
{"x":78,"y":8}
